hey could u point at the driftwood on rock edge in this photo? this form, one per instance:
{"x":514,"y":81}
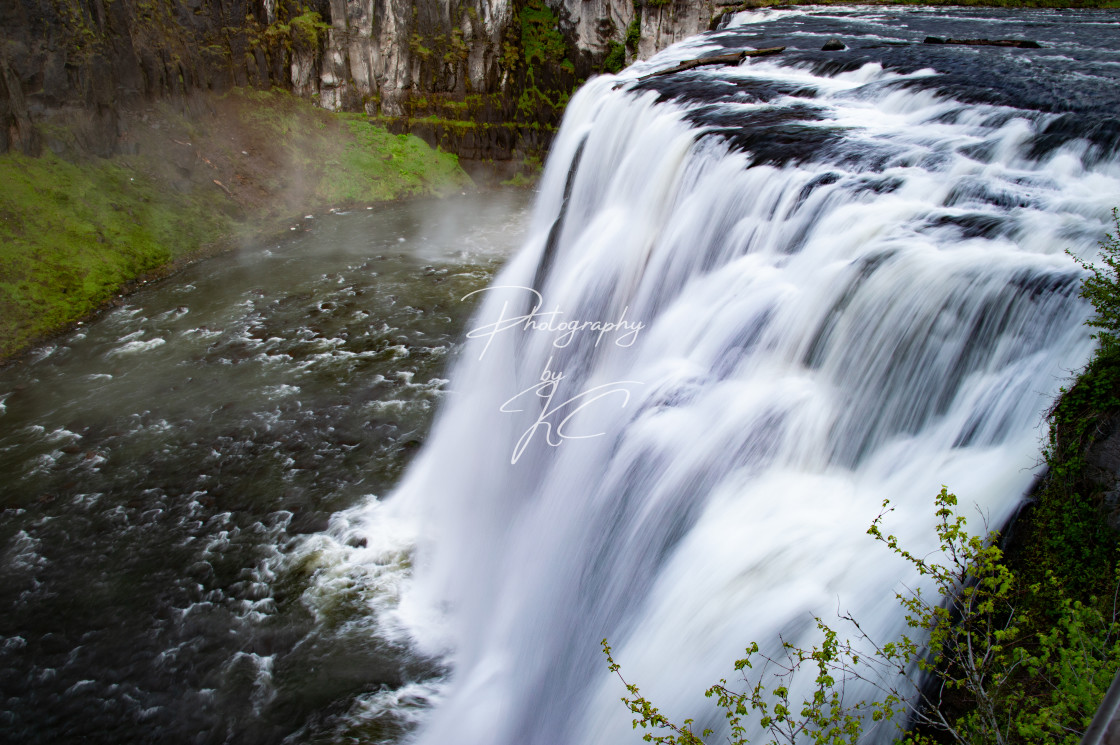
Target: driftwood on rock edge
{"x":1017,"y":43}
{"x":720,"y":59}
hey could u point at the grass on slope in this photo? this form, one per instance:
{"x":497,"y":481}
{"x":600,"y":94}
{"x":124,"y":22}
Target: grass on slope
{"x":377,"y":165}
{"x":71,"y":235}
{"x":74,"y":229}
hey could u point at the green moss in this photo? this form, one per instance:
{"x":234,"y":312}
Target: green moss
{"x":541,"y":40}
{"x":277,"y":35}
{"x":376,"y":165}
{"x":71,"y":235}
{"x":438,"y":121}
{"x":469,"y":108}
{"x":541,"y":45}
{"x":457,"y":48}
{"x":528,"y":175}
{"x":510,"y":56}
{"x":616,"y":57}
{"x":532,"y":100}
{"x":634,"y":32}
{"x":1067,"y":531}
{"x":306,"y":29}
{"x":417,"y":45}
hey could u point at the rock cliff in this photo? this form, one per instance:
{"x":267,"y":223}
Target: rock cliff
{"x":485,"y":78}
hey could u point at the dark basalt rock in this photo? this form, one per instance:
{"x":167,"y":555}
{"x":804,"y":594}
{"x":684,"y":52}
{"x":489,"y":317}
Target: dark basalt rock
{"x":83,"y":62}
{"x":1013,"y":43}
{"x":16,"y":130}
{"x":833,"y":45}
{"x":86,"y":65}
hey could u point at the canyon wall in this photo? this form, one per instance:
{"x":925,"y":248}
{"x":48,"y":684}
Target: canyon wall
{"x":484,"y":78}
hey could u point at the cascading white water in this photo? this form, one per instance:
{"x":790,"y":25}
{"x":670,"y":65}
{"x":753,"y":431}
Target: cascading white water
{"x":763,"y":350}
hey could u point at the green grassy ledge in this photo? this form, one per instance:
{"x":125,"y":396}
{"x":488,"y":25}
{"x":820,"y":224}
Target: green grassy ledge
{"x":204,"y":175}
{"x":72,"y":234}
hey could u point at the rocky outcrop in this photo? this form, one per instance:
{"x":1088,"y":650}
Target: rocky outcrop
{"x":380,"y":55}
{"x":673,"y":21}
{"x":488,"y":78}
{"x":78,"y":63}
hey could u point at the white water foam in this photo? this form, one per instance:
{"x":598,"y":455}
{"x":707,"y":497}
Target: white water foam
{"x":811,"y":339}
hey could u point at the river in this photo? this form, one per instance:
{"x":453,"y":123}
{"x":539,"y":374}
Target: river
{"x":160,"y":463}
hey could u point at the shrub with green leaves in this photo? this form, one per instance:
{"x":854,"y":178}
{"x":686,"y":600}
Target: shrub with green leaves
{"x":1024,"y":674}
{"x":992,"y":656}
{"x":1102,"y":289}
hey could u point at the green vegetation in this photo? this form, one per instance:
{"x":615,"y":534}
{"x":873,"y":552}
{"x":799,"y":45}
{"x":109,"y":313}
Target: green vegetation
{"x":416,"y":43}
{"x":74,"y":229}
{"x":634,"y":32}
{"x":1029,"y":672}
{"x":307,"y":29}
{"x":457,"y":48}
{"x":616,"y":57}
{"x":72,"y":234}
{"x":540,"y":80}
{"x":527,"y":175}
{"x":1102,"y":289}
{"x":296,"y":26}
{"x":540,"y":40}
{"x":1015,"y":648}
{"x":376,"y":165}
{"x":541,"y":44}
{"x":1066,"y":530}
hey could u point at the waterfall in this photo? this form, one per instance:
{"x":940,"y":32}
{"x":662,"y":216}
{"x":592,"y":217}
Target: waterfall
{"x":755,"y":302}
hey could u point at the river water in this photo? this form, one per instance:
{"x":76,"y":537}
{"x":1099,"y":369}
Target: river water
{"x":799,"y":287}
{"x":159,"y":465}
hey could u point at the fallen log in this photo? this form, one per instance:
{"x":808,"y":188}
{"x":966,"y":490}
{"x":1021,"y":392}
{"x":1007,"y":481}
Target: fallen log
{"x":720,"y":59}
{"x":1016,"y":43}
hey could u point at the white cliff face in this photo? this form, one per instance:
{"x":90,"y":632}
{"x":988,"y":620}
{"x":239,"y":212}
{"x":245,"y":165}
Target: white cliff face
{"x":598,"y":22}
{"x":378,"y":51}
{"x":661,"y":25}
{"x":305,"y":81}
{"x":676,"y":21}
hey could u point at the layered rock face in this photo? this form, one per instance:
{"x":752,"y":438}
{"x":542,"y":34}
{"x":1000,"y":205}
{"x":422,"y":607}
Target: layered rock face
{"x":382,"y":52}
{"x":486,"y":78}
{"x":79,"y":62}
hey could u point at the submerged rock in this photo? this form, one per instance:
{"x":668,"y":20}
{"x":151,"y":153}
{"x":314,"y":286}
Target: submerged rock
{"x":1014,"y":43}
